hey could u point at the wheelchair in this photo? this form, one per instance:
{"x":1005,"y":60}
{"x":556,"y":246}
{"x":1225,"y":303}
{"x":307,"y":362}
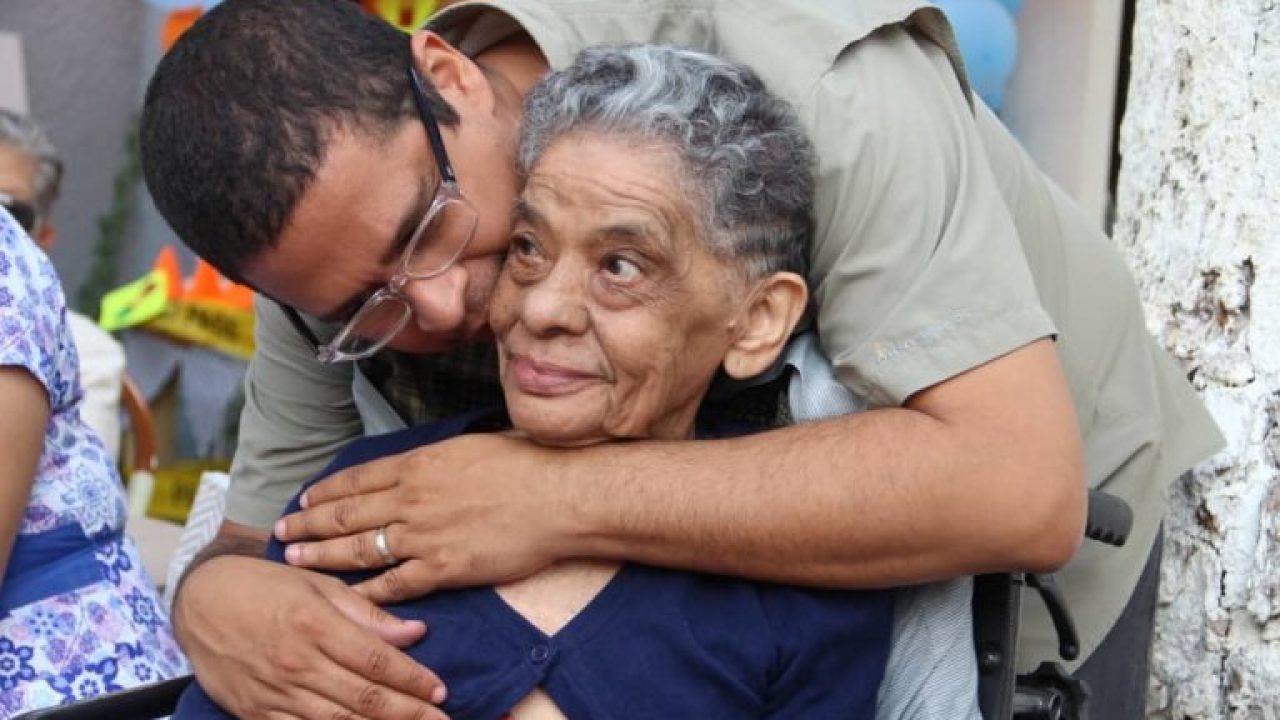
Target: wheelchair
{"x":1048,"y":693}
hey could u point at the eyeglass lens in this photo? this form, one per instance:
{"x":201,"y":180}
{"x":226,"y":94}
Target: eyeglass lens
{"x":374,"y":324}
{"x":440,"y":238}
{"x":435,"y":246}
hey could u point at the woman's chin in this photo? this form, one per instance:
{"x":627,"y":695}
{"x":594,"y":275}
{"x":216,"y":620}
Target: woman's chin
{"x":547,"y":427}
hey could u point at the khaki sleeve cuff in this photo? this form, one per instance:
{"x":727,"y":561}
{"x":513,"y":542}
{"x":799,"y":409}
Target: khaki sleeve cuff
{"x":253,"y":509}
{"x":889,"y":371}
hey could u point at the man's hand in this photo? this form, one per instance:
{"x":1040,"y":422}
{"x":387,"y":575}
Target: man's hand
{"x":467,"y":511}
{"x":271,"y":641}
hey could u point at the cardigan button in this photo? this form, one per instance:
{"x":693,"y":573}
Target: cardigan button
{"x":539,"y":653}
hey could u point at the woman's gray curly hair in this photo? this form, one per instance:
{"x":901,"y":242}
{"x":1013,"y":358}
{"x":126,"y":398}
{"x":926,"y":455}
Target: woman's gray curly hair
{"x":744,"y":155}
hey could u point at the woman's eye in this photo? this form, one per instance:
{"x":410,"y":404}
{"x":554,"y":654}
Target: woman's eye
{"x":621,"y":268}
{"x":523,"y":246}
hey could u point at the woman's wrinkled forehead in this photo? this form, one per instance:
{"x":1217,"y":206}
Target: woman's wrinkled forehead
{"x":614,"y":187}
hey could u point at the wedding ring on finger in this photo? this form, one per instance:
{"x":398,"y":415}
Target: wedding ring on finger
{"x":384,"y":549}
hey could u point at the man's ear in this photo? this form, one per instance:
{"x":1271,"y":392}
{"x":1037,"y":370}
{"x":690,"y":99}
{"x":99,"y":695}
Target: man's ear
{"x":454,"y":75}
{"x":765,"y":324}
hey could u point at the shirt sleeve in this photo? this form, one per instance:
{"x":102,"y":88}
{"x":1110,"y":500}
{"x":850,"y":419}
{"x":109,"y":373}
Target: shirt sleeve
{"x":297,"y":413}
{"x":918,"y":273}
{"x":33,"y":323}
{"x":932,"y":671}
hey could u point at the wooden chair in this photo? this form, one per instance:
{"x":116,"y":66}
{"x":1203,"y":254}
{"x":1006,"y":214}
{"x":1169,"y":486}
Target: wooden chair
{"x":156,"y":539}
{"x":142,"y":428}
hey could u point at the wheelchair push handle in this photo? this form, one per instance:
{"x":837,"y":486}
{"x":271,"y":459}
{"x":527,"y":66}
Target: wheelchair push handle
{"x":1109,"y":520}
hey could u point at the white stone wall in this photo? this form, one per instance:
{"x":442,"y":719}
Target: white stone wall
{"x":1199,"y":219}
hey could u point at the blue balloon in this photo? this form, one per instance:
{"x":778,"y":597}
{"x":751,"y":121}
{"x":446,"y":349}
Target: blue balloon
{"x":988,"y":40}
{"x":1013,"y":6}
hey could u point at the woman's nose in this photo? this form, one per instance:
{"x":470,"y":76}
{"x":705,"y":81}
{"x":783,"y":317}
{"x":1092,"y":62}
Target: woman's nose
{"x":556,"y":304}
{"x":439,"y":303}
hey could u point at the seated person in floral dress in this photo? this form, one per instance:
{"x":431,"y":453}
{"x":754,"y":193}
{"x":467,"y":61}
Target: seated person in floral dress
{"x":78,"y":614}
{"x":660,"y":240}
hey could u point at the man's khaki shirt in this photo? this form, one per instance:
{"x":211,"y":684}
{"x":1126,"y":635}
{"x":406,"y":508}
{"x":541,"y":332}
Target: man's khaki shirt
{"x":938,"y":247}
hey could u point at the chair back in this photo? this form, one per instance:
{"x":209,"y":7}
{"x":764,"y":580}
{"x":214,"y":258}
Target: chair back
{"x":142,"y":427}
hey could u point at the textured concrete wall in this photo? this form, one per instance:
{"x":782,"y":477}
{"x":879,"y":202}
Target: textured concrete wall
{"x":1199,"y":217}
{"x":83,"y":67}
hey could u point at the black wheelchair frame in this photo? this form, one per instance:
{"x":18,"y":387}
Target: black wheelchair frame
{"x":1048,"y":693}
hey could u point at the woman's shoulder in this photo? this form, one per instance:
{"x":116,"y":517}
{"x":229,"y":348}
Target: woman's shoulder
{"x":23,"y":265}
{"x":377,"y":446}
{"x":33,"y":328}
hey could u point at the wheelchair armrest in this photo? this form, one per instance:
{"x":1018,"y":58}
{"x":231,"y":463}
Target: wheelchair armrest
{"x":144,"y":702}
{"x":997,"y":610}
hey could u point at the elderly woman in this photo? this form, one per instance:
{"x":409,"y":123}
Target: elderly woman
{"x":659,"y":240}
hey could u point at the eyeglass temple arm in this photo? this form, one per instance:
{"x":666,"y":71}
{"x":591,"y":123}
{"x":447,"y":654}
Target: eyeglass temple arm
{"x":433,"y":129}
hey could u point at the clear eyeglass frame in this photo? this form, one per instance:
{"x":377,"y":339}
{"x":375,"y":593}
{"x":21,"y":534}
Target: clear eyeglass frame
{"x":436,"y":244}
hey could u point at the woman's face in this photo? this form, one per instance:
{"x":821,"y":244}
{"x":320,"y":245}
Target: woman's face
{"x":610,"y":314}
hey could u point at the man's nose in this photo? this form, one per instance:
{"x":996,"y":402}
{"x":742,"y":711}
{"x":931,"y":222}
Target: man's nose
{"x":557,"y":303}
{"x":439,"y":303}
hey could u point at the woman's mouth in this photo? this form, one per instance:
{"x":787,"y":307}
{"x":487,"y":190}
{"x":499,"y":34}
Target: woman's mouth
{"x":543,"y":378}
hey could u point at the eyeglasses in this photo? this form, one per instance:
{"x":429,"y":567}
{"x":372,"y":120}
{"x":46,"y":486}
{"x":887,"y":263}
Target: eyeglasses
{"x":23,"y":212}
{"x":441,"y":236}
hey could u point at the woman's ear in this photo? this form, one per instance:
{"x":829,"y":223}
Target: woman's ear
{"x":454,"y":75}
{"x":46,"y":235}
{"x":765,"y":324}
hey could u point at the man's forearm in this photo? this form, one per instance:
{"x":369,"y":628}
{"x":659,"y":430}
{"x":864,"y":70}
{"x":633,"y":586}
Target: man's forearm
{"x":232,"y":539}
{"x":981,"y":472}
{"x":880,"y":498}
{"x":799,"y":505}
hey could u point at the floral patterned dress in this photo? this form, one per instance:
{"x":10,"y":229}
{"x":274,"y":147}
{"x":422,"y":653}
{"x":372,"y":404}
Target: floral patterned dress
{"x":78,"y":614}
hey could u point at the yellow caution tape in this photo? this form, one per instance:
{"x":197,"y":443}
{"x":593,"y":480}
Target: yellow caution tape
{"x":208,"y":324}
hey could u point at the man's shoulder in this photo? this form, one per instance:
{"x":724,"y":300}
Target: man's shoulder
{"x":789,"y":42}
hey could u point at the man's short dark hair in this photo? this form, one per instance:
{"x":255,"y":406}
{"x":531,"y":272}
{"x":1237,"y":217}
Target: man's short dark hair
{"x":239,"y":114}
